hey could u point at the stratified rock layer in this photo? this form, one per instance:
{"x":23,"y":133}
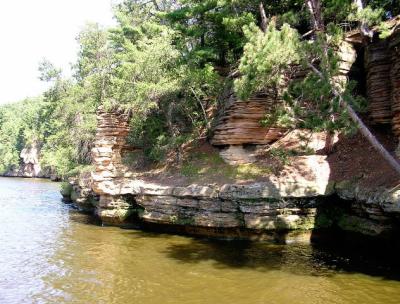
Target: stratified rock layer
{"x":297,"y":200}
{"x":112,"y":130}
{"x":269,"y":205}
{"x":377,"y":64}
{"x":241,"y":122}
{"x":395,"y":81}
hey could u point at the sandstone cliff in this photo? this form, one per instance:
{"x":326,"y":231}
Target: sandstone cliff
{"x":309,"y":191}
{"x":303,"y":197}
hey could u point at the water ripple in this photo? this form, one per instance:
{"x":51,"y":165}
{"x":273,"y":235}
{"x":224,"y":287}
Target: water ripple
{"x":51,"y":254}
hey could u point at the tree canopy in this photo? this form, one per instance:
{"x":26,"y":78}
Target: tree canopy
{"x":168,"y":62}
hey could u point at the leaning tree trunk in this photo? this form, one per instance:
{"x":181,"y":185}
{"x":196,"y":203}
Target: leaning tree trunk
{"x":315,"y":10}
{"x":364,"y":28}
{"x":264,"y":20}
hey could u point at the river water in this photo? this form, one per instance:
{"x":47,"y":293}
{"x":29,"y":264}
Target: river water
{"x":49,"y":253}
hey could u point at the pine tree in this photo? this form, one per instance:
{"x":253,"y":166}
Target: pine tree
{"x":269,"y":56}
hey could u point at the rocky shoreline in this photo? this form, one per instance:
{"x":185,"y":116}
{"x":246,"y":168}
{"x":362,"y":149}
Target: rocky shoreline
{"x":254,"y":209}
{"x":314,"y":192}
{"x":292,"y":203}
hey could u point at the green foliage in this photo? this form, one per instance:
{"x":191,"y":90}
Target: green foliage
{"x":166,"y":62}
{"x":19,"y":127}
{"x":167,"y":95}
{"x":270,"y":58}
{"x":281,"y":116}
{"x":384,"y":30}
{"x":266,"y":58}
{"x":213,"y":29}
{"x":66,"y":189}
{"x":368,"y":15}
{"x":48,"y":72}
{"x":211,"y":166}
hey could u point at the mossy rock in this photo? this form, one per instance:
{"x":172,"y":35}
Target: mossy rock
{"x":360,"y":225}
{"x":344,"y":185}
{"x":66,"y":190}
{"x":74,"y":196}
{"x":183,"y":221}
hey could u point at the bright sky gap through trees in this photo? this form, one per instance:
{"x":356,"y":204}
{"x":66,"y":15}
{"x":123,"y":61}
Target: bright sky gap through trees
{"x":33,"y":30}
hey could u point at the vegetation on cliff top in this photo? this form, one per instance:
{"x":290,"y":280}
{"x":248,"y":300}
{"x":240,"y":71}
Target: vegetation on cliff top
{"x":168,"y":62}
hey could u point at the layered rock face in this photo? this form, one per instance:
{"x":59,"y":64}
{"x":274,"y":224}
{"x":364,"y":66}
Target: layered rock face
{"x":254,"y":207}
{"x":302,"y":197}
{"x":240,"y":123}
{"x":395,"y":81}
{"x":377,"y":64}
{"x":371,"y":212}
{"x":273,"y":205}
{"x":299,"y":200}
{"x":268,"y":206}
{"x":79,"y":191}
{"x":382,"y":69}
{"x":112,"y":130}
{"x":382,"y":64}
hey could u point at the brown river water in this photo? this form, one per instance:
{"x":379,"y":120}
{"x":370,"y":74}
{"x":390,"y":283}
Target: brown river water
{"x":49,"y":253}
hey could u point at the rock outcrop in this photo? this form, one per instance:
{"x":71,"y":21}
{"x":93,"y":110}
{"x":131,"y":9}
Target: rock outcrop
{"x":276,"y":204}
{"x":377,"y":65}
{"x":371,"y":212}
{"x":30,"y":165}
{"x":347,"y":56}
{"x":79,"y":192}
{"x":259,"y":206}
{"x":112,"y":130}
{"x":241,"y":121}
{"x":382,"y":67}
{"x":395,"y":81}
{"x":302,"y":198}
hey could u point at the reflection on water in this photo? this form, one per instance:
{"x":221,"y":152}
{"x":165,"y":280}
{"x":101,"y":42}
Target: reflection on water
{"x":49,"y":253}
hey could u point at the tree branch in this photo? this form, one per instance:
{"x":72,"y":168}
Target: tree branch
{"x":314,"y":6}
{"x":364,"y":28}
{"x":360,"y":124}
{"x":315,"y":10}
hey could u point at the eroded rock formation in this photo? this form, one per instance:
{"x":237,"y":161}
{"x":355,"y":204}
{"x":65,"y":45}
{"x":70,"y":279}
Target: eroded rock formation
{"x":79,"y":191}
{"x":112,"y":130}
{"x":377,"y":65}
{"x":29,"y":163}
{"x":241,"y":122}
{"x":301,"y":197}
{"x":395,"y":81}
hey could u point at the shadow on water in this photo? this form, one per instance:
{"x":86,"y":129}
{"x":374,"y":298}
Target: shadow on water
{"x":329,"y":255}
{"x":317,"y":259}
{"x":79,"y":217}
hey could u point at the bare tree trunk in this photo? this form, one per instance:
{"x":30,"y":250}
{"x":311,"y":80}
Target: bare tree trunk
{"x":365,"y":30}
{"x":315,"y":10}
{"x":361,"y":126}
{"x":264,"y":20}
{"x":329,"y":140}
{"x":372,"y":139}
{"x":156,"y":5}
{"x":314,"y":6}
